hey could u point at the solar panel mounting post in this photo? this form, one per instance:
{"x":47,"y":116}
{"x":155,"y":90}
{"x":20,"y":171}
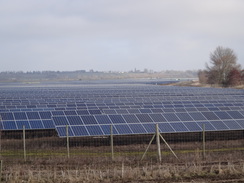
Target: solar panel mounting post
{"x":203,"y":142}
{"x":158,"y":144}
{"x":112,"y":142}
{"x":24,"y":144}
{"x":67,"y":139}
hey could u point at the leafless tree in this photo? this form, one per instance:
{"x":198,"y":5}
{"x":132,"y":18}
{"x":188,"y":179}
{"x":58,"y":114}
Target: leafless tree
{"x":223,"y":61}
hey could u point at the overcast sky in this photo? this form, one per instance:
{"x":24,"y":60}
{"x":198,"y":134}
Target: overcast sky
{"x":117,"y":35}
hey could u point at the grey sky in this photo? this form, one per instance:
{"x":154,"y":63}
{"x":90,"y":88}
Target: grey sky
{"x":117,"y":35}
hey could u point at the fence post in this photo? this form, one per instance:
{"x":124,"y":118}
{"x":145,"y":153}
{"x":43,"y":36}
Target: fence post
{"x":203,"y":142}
{"x":24,"y":144}
{"x":1,"y":170}
{"x":158,"y":144}
{"x":112,"y":142}
{"x":67,"y":140}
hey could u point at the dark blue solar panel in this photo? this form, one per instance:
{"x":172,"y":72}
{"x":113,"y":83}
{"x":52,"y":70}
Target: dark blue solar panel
{"x":157,"y":118}
{"x":157,"y":110}
{"x":222,"y":115}
{"x":70,"y":113}
{"x":144,"y":118}
{"x":171,"y":117}
{"x":179,"y":127}
{"x":117,"y":119}
{"x":137,"y":128}
{"x":109,"y":111}
{"x":145,"y":110}
{"x":165,"y":128}
{"x":88,"y":120}
{"x":21,"y":124}
{"x":219,"y":125}
{"x":122,"y":111}
{"x":133,"y":111}
{"x":20,"y":115}
{"x":233,"y":125}
{"x":207,"y":125}
{"x":57,"y":113}
{"x":197,"y":116}
{"x":168,"y":110}
{"x":9,"y":125}
{"x":184,"y":117}
{"x":45,"y":115}
{"x":107,"y":129}
{"x":103,"y":119}
{"x":123,"y":129}
{"x":82,"y":112}
{"x":33,"y":115}
{"x":180,"y":110}
{"x":240,"y":122}
{"x":60,"y":120}
{"x":130,"y":118}
{"x":7,"y":116}
{"x":79,"y":130}
{"x":94,"y":130}
{"x":193,"y":126}
{"x":210,"y":116}
{"x":235,"y":114}
{"x":36,"y":124}
{"x":94,"y":111}
{"x":62,"y":131}
{"x":150,"y":127}
{"x":48,"y":124}
{"x":202,"y":109}
{"x":74,"y":120}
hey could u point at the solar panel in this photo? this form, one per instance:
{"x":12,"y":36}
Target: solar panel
{"x":130,"y":118}
{"x":137,"y":128}
{"x":74,"y":120}
{"x":184,"y":116}
{"x":21,"y":124}
{"x":232,"y":125}
{"x":94,"y":130}
{"x":144,"y":118}
{"x":20,"y":115}
{"x":117,"y":119}
{"x":123,"y":129}
{"x":210,"y":116}
{"x":219,"y":125}
{"x":103,"y":119}
{"x":193,"y":126}
{"x":171,"y":117}
{"x":88,"y":120}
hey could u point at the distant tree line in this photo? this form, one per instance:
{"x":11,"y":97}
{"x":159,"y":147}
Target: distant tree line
{"x":223,"y":69}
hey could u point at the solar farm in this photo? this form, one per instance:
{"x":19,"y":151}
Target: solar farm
{"x":130,"y":109}
{"x":95,"y":111}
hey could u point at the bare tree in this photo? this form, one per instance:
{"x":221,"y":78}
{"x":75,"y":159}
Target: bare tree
{"x":223,"y":61}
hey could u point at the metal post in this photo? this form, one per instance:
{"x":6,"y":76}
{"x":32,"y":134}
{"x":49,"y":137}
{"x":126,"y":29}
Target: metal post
{"x":67,"y":138}
{"x":112,"y":142}
{"x":158,"y":144}
{"x":24,"y":144}
{"x":148,"y":147}
{"x":203,"y":142}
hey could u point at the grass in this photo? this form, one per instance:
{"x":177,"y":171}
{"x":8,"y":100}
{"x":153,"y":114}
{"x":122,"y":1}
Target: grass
{"x":47,"y":162}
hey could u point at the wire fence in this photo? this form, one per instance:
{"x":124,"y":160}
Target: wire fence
{"x":41,"y":155}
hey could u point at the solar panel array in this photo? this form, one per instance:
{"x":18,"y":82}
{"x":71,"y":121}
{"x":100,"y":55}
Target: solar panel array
{"x":90,"y":110}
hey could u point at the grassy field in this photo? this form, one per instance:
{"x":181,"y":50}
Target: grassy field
{"x":47,"y":161}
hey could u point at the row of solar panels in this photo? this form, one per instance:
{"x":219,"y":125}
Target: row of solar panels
{"x":45,"y":120}
{"x":136,"y":109}
{"x":218,"y":114}
{"x":148,"y":128}
{"x":162,"y":103}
